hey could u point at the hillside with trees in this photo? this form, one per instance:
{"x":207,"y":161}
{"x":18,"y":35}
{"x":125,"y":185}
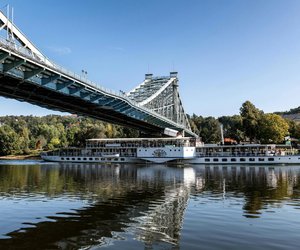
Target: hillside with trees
{"x":251,"y":125}
{"x":27,"y":134}
{"x":23,"y":134}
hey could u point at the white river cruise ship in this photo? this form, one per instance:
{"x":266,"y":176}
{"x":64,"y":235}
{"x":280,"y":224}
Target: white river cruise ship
{"x":185,"y":150}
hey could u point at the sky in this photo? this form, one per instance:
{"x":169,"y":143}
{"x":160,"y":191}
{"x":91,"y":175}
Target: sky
{"x":225,"y":51}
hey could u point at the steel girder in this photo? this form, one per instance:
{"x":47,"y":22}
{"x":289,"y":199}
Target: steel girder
{"x":38,"y":83}
{"x":160,"y":94}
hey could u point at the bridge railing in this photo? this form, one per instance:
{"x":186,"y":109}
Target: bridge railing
{"x":12,"y":46}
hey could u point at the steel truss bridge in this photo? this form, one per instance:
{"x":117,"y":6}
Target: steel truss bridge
{"x":153,"y":107}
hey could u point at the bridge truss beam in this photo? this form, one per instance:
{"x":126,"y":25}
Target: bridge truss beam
{"x":27,"y":80}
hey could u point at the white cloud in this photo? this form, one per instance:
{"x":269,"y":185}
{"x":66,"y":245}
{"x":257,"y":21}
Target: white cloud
{"x":60,"y":50}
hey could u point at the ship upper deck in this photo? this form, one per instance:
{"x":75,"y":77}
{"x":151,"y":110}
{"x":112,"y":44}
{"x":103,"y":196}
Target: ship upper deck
{"x":142,"y":142}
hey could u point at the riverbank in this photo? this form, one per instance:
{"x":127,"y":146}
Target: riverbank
{"x":21,"y":157}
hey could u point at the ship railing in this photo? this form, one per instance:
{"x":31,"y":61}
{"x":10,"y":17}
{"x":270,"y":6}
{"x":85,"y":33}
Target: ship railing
{"x":235,"y":154}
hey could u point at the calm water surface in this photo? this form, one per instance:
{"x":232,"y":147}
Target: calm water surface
{"x":89,"y":206}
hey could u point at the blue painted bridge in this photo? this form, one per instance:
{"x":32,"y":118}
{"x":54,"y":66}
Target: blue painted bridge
{"x":27,"y":75}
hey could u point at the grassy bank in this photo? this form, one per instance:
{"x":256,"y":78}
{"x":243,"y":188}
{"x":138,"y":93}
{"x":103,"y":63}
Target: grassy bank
{"x":32,"y":156}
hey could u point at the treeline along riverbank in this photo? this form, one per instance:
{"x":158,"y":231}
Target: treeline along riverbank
{"x":27,"y":135}
{"x":250,"y":125}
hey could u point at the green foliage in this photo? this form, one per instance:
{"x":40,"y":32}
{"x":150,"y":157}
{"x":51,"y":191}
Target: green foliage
{"x":252,"y":124}
{"x":9,"y":142}
{"x":250,"y":119}
{"x":233,"y":127}
{"x":272,"y":128}
{"x":21,"y":134}
{"x":207,"y":128}
{"x":294,"y":129}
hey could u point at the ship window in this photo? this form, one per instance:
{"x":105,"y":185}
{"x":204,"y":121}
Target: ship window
{"x":96,"y":159}
{"x":270,"y":159}
{"x":90,"y":159}
{"x":242,"y":159}
{"x":233,"y":159}
{"x":224,"y":159}
{"x":102,"y":159}
{"x":122,"y":159}
{"x":215,"y":159}
{"x":78,"y":159}
{"x":251,"y":159}
{"x":67,"y":159}
{"x":116,"y":159}
{"x":84,"y":159}
{"x":261,"y":159}
{"x":62,"y":158}
{"x":73,"y":159}
{"x":207,"y":159}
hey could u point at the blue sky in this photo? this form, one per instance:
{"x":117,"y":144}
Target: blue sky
{"x":226,"y":52}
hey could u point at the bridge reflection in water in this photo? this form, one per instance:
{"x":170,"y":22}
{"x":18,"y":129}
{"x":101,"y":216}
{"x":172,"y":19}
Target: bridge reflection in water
{"x":146,"y":203}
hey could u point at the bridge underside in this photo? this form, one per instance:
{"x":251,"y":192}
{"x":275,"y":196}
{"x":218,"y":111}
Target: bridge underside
{"x":24,"y":91}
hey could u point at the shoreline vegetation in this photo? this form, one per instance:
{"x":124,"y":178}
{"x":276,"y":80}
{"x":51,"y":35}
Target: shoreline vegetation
{"x":21,"y":157}
{"x":25,"y":137}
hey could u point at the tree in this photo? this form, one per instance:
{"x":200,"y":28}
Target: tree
{"x":210,"y":130}
{"x":193,"y":124}
{"x":8,"y":140}
{"x":250,"y":119}
{"x":272,"y":128}
{"x":294,"y":129}
{"x":233,"y":127}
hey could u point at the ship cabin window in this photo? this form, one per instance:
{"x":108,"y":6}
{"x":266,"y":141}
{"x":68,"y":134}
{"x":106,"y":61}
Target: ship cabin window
{"x":251,"y":159}
{"x":67,"y":159}
{"x":116,"y":159}
{"x":242,"y":159}
{"x":73,"y":159}
{"x":207,"y":159}
{"x":215,"y":159}
{"x":261,"y":159}
{"x":78,"y":159}
{"x":84,"y":159}
{"x":122,"y":159}
{"x":62,"y":158}
{"x":96,"y":159}
{"x":102,"y":159}
{"x":270,"y":159}
{"x":224,"y":159}
{"x":233,"y":159}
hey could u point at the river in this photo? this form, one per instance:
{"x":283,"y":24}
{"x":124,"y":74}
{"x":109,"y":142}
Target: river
{"x":94,"y":206}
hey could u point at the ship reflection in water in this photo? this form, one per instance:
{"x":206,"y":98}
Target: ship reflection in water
{"x":72,"y":206}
